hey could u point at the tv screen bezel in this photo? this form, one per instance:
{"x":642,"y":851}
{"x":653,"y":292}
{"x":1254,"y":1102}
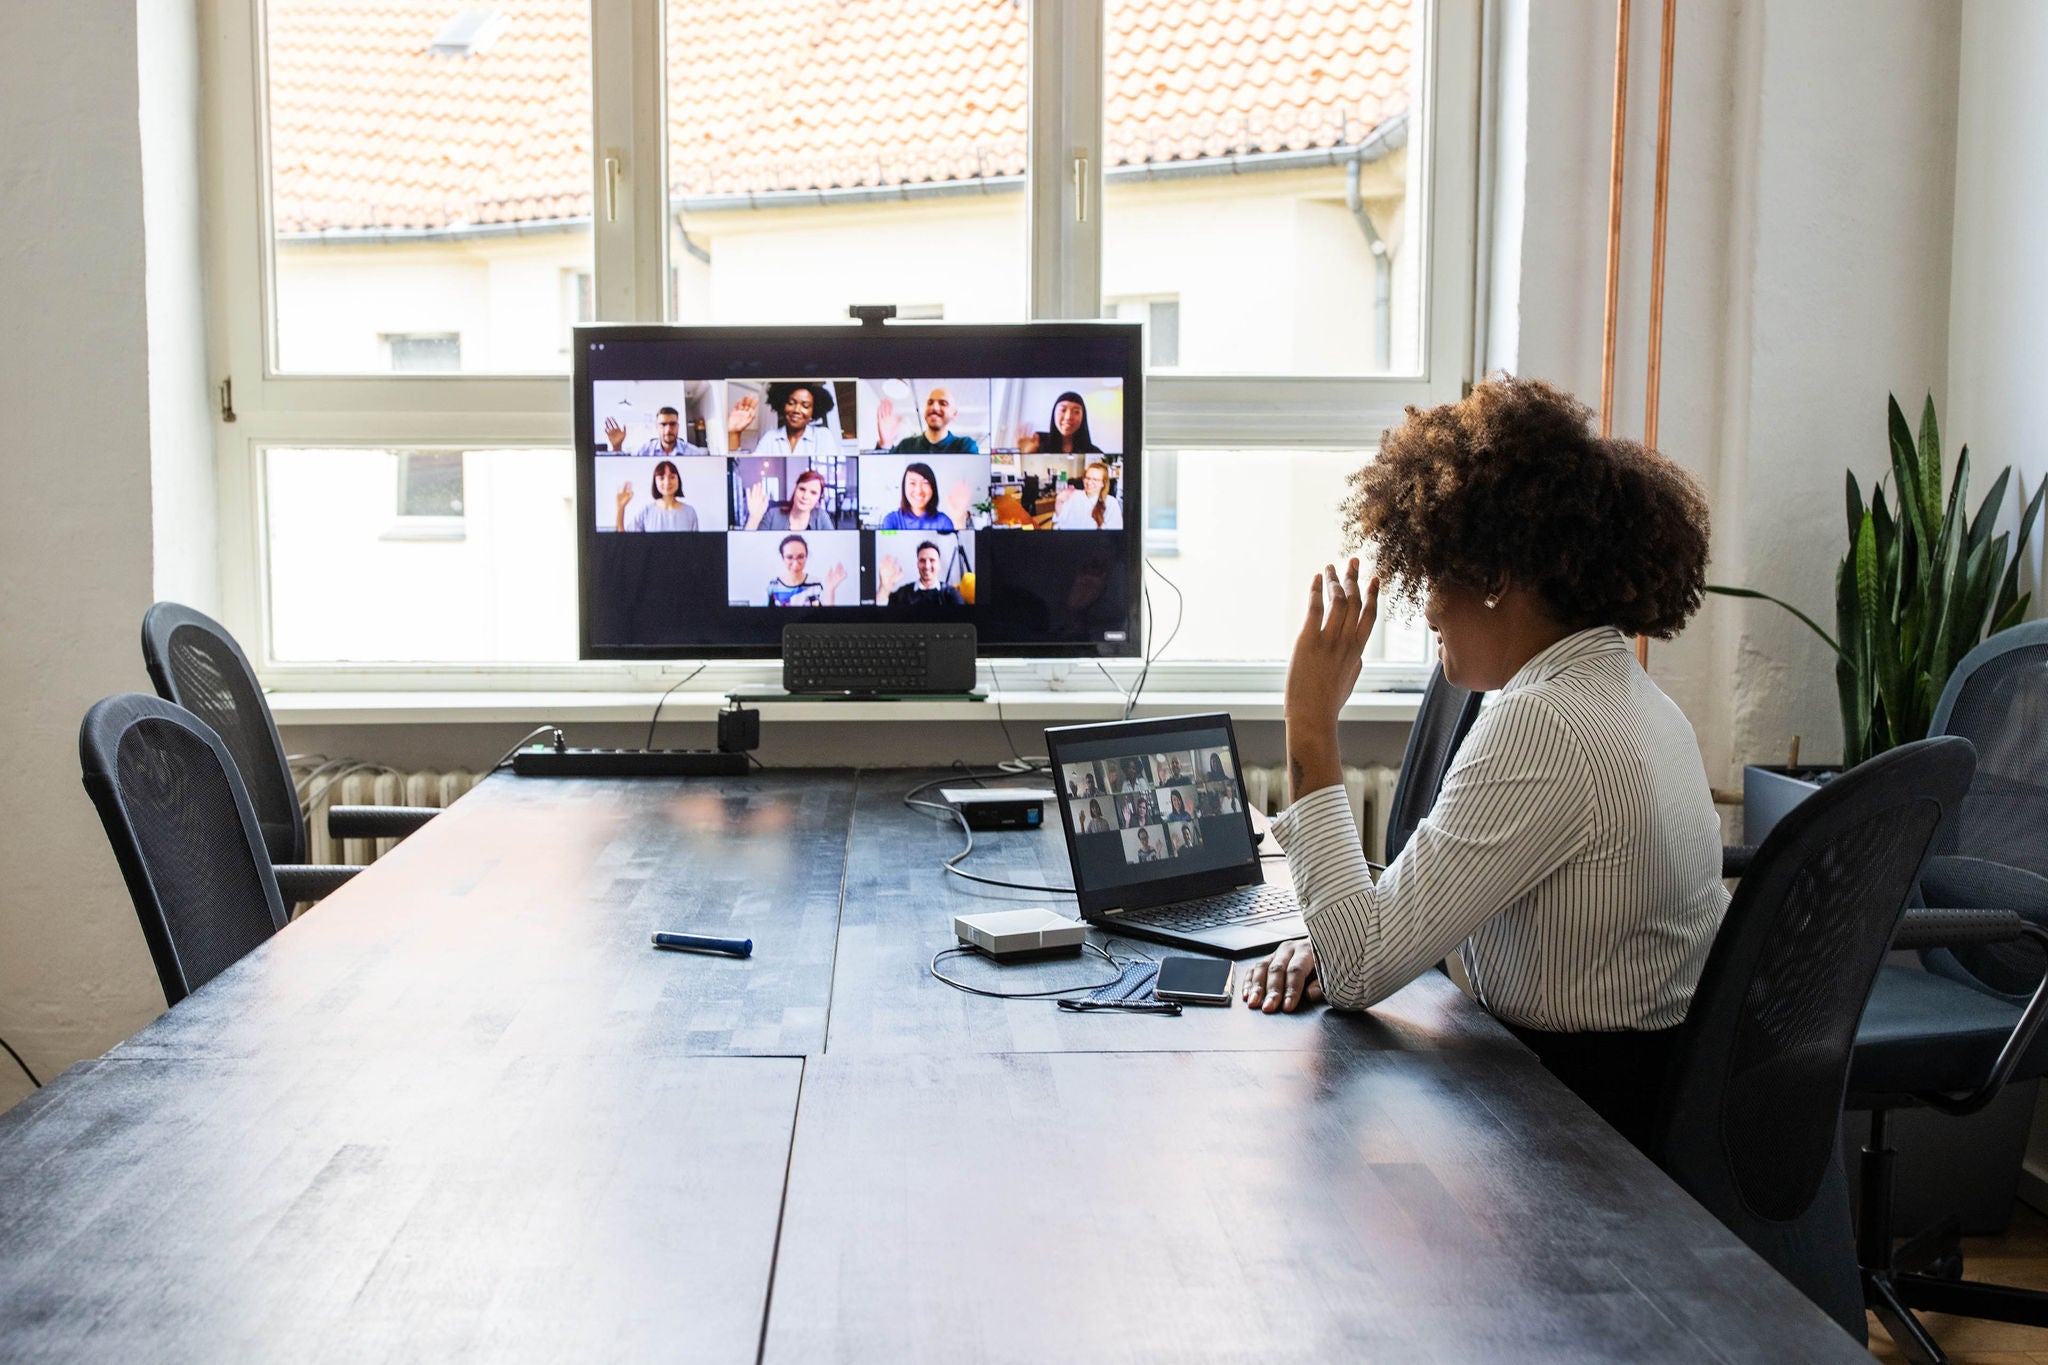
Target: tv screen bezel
{"x":786,"y":340}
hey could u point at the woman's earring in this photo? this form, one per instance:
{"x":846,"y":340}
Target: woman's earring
{"x":1492,"y":600}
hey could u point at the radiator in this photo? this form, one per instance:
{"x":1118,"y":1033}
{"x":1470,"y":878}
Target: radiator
{"x":1371,"y":791}
{"x":365,"y":784}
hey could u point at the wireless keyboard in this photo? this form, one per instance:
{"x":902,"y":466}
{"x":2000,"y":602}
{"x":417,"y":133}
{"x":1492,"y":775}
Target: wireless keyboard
{"x":871,"y":659}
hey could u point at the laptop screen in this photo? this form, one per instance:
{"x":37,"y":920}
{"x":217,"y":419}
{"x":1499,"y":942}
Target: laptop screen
{"x":1152,"y":802}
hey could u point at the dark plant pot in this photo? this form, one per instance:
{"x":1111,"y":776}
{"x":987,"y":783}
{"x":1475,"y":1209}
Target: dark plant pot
{"x":1769,"y":790}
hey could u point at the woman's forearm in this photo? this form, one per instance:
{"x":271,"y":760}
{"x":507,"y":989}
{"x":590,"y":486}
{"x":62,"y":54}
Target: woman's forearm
{"x":1312,"y":759}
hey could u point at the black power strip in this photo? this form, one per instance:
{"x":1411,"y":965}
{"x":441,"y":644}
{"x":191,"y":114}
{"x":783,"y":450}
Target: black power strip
{"x":543,"y":761}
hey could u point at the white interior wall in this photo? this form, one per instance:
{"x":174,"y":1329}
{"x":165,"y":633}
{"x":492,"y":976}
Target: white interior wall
{"x":1998,"y":293}
{"x":187,"y":526}
{"x":75,"y":524}
{"x":1808,"y":260}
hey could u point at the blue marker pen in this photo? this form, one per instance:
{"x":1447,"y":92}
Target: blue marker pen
{"x":704,"y":943}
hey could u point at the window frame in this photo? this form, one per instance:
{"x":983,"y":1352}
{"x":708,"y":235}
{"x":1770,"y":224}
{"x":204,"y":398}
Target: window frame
{"x":259,"y":406}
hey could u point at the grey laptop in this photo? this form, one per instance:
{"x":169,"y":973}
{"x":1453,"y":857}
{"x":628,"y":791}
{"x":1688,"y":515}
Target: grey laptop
{"x":1160,"y":836}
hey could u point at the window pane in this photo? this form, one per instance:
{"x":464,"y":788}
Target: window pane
{"x":430,"y":182}
{"x":821,"y":156}
{"x":1262,"y":183}
{"x":487,"y":574}
{"x":1243,"y":592}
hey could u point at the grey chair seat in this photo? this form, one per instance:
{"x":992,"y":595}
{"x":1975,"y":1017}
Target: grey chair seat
{"x":1922,"y":1032}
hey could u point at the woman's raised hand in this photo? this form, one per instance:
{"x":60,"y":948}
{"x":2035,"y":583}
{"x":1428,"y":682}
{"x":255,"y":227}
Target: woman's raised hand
{"x":614,"y":433}
{"x":740,"y":416}
{"x":1330,"y":651}
{"x":757,"y":504}
{"x":833,"y":578}
{"x":625,"y":494}
{"x":959,"y":498}
{"x":1285,"y":981}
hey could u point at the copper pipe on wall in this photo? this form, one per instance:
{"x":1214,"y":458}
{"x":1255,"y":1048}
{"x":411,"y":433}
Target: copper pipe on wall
{"x":1613,"y":309}
{"x":1661,"y":201}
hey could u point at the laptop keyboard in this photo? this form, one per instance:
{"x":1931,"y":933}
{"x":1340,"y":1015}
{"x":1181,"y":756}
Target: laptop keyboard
{"x":1252,"y":905}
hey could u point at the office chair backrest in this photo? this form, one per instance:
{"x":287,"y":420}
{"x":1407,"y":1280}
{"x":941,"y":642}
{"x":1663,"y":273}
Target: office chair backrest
{"x":1441,"y":723}
{"x":194,"y":662}
{"x":1751,"y":1115}
{"x":1998,"y":700}
{"x":184,"y":834}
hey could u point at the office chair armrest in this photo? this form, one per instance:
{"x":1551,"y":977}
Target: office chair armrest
{"x":1736,"y":858}
{"x":1942,"y":928}
{"x":1947,"y":928}
{"x":309,"y":881}
{"x":1953,"y":880}
{"x":377,"y":822}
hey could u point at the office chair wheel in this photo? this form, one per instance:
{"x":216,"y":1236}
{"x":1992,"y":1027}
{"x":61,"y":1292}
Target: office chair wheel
{"x":1948,"y":1267}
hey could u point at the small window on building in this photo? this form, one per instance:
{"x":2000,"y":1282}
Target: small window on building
{"x":1161,"y":316}
{"x":579,"y":302}
{"x":430,"y":483}
{"x":1162,"y":502}
{"x":423,"y":352}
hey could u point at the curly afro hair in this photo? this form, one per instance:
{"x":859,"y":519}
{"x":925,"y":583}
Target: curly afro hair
{"x":1513,"y":481}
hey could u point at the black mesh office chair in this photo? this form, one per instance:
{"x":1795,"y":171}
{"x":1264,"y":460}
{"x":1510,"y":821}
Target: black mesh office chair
{"x":1750,"y":1122}
{"x":1441,"y":724}
{"x":1952,"y":1036}
{"x":185,"y":834}
{"x":194,"y":662}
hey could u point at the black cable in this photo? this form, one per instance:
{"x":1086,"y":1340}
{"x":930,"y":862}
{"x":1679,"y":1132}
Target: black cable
{"x":20,"y":1063}
{"x":958,"y":985}
{"x":996,"y":686}
{"x":911,"y":800}
{"x":1180,"y":611}
{"x":506,"y":757}
{"x":664,"y":701}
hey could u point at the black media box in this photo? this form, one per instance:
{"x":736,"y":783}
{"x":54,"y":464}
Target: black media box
{"x":999,"y":807}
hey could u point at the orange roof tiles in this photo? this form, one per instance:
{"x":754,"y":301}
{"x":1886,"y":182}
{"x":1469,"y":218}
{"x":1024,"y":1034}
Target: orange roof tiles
{"x":367,"y":131}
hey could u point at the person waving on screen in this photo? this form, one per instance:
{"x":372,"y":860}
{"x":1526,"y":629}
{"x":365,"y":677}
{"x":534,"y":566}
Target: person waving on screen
{"x":794,"y":587}
{"x":668,"y":511}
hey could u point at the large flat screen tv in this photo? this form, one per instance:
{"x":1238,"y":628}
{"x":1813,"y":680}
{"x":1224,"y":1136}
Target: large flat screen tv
{"x":731,"y":480}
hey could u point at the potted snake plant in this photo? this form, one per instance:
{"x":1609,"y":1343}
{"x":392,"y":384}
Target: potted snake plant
{"x":1920,"y":586}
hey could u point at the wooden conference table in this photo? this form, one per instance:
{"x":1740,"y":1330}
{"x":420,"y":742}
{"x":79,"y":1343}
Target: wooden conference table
{"x":461,"y":1110}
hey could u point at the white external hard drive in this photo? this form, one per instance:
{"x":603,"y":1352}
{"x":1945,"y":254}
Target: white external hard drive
{"x":1016,"y":933}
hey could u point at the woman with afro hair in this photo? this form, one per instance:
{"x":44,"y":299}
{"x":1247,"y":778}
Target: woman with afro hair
{"x":1573,"y":858}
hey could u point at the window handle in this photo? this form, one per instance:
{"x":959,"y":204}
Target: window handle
{"x":1080,"y":186}
{"x":611,"y":189}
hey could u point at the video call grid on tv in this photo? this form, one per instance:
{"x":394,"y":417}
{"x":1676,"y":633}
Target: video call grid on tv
{"x":1160,"y":806}
{"x":856,"y":492}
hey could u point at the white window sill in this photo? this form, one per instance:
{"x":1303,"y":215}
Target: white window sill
{"x":534,"y":707}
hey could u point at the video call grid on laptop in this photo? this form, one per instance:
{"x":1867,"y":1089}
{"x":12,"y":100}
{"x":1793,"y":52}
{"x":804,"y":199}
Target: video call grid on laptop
{"x":1155,"y":816}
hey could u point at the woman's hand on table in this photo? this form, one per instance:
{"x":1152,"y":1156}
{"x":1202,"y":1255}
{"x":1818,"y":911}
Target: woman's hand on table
{"x":1285,"y":981}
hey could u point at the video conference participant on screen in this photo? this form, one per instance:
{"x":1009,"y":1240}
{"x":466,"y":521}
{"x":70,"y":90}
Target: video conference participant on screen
{"x":938,"y":437}
{"x":668,"y":511}
{"x":668,"y":438}
{"x":1187,"y":840}
{"x":1148,"y":849}
{"x":1066,"y":432}
{"x":804,"y":512}
{"x":918,"y":509}
{"x":1178,"y":809}
{"x":794,"y":586}
{"x":802,"y":428}
{"x":927,"y":590}
{"x":1094,"y":822}
{"x":1089,"y":508}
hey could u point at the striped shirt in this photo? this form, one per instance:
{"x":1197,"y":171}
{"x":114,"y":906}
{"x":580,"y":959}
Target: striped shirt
{"x":1573,"y":858}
